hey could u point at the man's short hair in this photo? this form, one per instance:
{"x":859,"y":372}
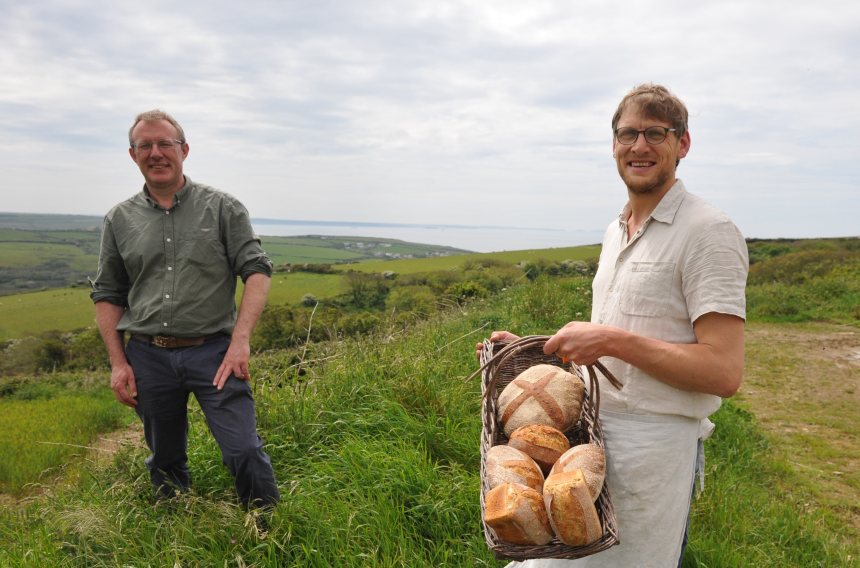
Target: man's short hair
{"x":655,"y":102}
{"x":153,"y":115}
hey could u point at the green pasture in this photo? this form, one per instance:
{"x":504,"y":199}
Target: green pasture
{"x":414,"y":265}
{"x":62,"y":309}
{"x":67,"y":309}
{"x":18,"y":254}
{"x":290,"y":288}
{"x":296,"y":253}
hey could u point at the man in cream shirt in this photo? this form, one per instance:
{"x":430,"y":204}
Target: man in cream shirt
{"x":668,"y":321}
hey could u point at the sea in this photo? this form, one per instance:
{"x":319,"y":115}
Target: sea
{"x":475,"y":238}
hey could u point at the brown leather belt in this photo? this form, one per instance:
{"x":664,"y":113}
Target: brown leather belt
{"x":171,"y":342}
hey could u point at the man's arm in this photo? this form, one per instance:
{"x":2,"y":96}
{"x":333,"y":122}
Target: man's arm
{"x":122,"y":380}
{"x":712,"y":365}
{"x":239,"y":353}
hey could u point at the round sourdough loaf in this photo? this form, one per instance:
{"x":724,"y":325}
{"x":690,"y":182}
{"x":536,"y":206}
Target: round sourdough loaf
{"x":544,"y":444}
{"x":517,"y":514}
{"x":589,"y":458}
{"x":542,"y":394}
{"x":506,"y":464}
{"x":572,"y":513}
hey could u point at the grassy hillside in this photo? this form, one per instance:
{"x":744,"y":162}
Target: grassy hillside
{"x":375,"y":442}
{"x":39,"y":259}
{"x":67,"y":309}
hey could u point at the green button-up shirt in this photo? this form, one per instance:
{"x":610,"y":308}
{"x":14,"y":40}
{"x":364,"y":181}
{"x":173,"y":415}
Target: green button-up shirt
{"x":174,"y":270}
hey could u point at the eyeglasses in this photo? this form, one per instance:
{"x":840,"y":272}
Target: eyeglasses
{"x":163,"y":145}
{"x":653,"y":134}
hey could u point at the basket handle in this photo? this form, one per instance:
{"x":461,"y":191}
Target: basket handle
{"x":512,"y":348}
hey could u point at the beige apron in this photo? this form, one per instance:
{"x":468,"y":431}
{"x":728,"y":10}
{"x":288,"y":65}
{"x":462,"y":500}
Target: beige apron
{"x":651,"y":461}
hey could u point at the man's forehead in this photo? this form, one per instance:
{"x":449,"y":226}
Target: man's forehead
{"x":637,"y":113}
{"x":152,"y":125}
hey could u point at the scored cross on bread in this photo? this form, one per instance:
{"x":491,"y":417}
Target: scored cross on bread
{"x":542,"y":394}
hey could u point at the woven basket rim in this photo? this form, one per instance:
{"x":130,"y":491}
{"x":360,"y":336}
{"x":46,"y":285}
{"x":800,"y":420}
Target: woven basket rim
{"x":498,"y":358}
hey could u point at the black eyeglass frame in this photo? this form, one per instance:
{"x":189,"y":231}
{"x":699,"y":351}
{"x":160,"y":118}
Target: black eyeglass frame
{"x":629,"y":129}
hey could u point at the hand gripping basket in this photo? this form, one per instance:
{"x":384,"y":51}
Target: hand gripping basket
{"x":500,"y":364}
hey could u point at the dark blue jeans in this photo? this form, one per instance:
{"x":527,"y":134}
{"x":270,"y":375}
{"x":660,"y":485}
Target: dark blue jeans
{"x":165,"y":378}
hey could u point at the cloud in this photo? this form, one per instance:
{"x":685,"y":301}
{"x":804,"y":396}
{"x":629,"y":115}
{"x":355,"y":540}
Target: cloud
{"x":433,"y":112}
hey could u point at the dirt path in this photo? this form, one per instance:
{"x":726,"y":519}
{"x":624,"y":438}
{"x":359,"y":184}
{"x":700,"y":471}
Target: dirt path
{"x":802,"y":382}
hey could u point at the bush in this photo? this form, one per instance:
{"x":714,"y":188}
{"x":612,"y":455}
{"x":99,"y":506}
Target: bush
{"x":464,"y":291}
{"x":366,"y":290}
{"x":86,"y":351}
{"x":419,"y":300}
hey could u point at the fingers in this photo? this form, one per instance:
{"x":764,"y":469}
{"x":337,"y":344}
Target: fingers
{"x":503,"y":336}
{"x":124,"y":386}
{"x":226,"y":370}
{"x":551,"y":345}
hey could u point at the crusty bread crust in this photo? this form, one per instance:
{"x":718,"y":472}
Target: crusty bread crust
{"x":507,"y":464}
{"x":542,"y":394}
{"x":591,"y":459}
{"x":517,"y":514}
{"x":571,"y":510}
{"x":544,"y":444}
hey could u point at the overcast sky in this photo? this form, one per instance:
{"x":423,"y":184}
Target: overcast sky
{"x":439,"y":112}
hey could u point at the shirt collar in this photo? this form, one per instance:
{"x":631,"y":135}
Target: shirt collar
{"x":177,"y":197}
{"x":665,"y":210}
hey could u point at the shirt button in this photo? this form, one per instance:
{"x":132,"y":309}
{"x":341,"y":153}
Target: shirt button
{"x":167,"y":296}
{"x":168,"y":239}
{"x":169,"y":268}
{"x":164,"y":324}
{"x":167,"y":212}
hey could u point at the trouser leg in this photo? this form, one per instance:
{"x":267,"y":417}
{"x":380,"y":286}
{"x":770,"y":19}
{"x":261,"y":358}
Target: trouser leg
{"x":230,"y":414}
{"x":162,"y":407}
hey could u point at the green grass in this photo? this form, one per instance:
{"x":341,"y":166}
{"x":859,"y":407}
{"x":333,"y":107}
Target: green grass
{"x":411,"y":266}
{"x":62,"y":309}
{"x":39,"y":436}
{"x":376,"y":448}
{"x":289,"y":288}
{"x":68,"y":309}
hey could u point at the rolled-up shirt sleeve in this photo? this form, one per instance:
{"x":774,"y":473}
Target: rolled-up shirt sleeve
{"x":111,"y":283}
{"x":244,"y":248}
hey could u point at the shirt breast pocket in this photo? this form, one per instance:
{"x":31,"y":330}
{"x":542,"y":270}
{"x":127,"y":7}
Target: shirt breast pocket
{"x":649,"y":289}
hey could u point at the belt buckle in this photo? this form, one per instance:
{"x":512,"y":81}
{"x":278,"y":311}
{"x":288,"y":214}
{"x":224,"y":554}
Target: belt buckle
{"x":162,"y":341}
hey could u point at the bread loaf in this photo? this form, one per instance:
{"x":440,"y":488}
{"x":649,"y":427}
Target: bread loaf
{"x":517,"y":514}
{"x":589,"y":458}
{"x":544,"y":444}
{"x":572,"y":513}
{"x":542,"y":394}
{"x":506,"y":464}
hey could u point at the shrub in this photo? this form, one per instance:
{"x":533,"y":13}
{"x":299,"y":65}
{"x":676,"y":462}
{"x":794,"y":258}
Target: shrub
{"x":366,"y":290}
{"x":87,"y":351}
{"x":419,"y":300}
{"x":463,"y":291}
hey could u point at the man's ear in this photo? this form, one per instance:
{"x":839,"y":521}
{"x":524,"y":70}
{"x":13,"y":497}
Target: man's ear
{"x":684,"y":145}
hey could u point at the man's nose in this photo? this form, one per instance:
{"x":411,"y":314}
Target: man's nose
{"x":640,"y":143}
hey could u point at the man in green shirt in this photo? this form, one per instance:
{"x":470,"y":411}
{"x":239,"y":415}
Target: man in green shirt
{"x":166,"y":283}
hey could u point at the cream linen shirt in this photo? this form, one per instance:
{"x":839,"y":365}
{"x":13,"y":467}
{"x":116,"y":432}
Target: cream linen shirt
{"x":688,"y":259}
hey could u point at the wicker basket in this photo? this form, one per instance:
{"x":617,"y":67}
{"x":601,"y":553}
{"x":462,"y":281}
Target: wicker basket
{"x":500,"y":364}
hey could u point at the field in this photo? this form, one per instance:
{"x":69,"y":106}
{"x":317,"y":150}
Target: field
{"x":68,"y":309}
{"x":35,"y":255}
{"x":374,"y":436}
{"x":390,"y":478}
